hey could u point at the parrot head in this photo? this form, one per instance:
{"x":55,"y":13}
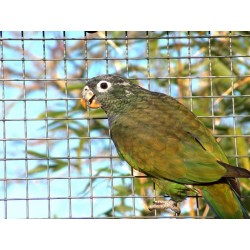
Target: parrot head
{"x":107,"y":91}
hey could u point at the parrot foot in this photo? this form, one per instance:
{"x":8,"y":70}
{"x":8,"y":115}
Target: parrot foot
{"x":166,"y":204}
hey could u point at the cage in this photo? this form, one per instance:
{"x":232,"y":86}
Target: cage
{"x":58,"y":160}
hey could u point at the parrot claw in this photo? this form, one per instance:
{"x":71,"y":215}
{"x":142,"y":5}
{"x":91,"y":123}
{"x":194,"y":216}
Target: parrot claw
{"x":166,"y":204}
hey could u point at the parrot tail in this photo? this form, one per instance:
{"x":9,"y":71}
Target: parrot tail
{"x":224,"y":200}
{"x":233,"y":171}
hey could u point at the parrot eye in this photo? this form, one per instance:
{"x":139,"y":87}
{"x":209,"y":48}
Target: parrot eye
{"x":102,"y":86}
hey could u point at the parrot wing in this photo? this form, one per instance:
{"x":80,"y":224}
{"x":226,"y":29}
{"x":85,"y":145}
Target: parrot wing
{"x":162,"y":138}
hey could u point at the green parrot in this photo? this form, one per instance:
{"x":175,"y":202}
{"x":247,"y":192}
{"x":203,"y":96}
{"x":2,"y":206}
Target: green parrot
{"x":162,"y":138}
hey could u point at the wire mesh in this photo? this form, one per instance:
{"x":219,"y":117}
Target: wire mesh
{"x":58,"y":161}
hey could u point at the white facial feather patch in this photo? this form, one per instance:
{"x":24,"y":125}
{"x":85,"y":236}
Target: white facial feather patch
{"x":100,"y":86}
{"x":128,"y":92}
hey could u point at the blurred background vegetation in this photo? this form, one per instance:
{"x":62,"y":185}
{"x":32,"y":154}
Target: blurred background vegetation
{"x":48,"y":138}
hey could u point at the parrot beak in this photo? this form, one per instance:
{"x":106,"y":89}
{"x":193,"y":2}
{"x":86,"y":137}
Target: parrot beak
{"x":89,"y":99}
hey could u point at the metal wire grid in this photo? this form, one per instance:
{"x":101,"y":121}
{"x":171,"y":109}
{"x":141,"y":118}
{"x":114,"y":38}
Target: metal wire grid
{"x":50,"y":202}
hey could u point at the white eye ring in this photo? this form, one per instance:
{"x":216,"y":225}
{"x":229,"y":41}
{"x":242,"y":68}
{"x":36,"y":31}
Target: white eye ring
{"x":103,"y":86}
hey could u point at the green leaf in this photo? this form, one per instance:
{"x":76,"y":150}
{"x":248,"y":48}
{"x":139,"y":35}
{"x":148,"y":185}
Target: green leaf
{"x":34,"y":153}
{"x":38,"y":169}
